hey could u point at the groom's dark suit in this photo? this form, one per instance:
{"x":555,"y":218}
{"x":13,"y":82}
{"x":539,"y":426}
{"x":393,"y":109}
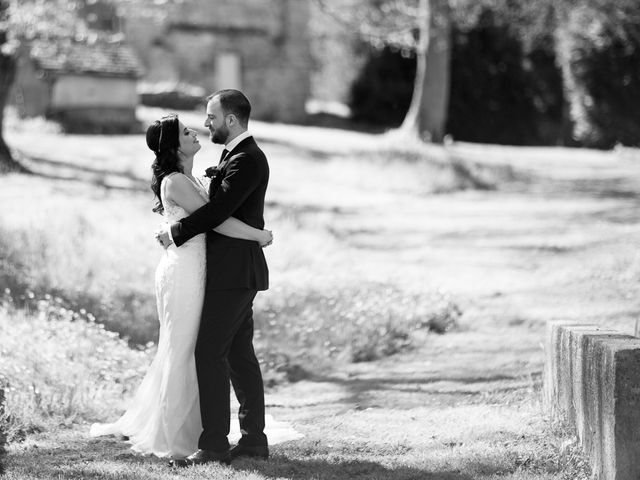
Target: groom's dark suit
{"x":236,"y":270}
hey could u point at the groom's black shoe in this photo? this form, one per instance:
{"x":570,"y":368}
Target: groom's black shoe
{"x":202,"y":457}
{"x":248,"y":451}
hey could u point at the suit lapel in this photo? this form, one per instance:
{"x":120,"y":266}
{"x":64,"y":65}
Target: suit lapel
{"x":222,"y":168}
{"x":238,"y":149}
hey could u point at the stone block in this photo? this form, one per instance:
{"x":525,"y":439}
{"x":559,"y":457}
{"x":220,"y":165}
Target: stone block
{"x":592,"y":379}
{"x":580,"y":339}
{"x":620,"y":442}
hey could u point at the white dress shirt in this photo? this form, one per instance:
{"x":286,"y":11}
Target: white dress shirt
{"x":234,"y":143}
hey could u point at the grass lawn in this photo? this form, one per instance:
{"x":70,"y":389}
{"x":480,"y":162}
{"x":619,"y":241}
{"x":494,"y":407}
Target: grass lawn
{"x":375,"y":246}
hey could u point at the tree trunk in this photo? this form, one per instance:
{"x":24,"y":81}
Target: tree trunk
{"x":411,"y":123}
{"x":575,"y":113}
{"x":427,"y":115}
{"x":8,"y":65}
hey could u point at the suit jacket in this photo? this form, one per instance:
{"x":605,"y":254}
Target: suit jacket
{"x":231,"y":262}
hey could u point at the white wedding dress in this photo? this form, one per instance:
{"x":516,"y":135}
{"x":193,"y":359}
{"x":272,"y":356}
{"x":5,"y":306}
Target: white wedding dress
{"x":163,"y":417}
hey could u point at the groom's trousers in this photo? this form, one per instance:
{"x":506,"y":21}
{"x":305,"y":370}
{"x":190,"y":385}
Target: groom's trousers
{"x":224,"y":351}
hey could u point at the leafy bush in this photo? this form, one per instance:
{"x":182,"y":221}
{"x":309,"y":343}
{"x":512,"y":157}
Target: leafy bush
{"x":500,"y":92}
{"x":348,"y":323}
{"x":39,"y":265}
{"x":602,"y":62}
{"x":381,"y":94}
{"x":72,"y":369}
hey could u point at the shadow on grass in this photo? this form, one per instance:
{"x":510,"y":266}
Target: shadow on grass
{"x":309,"y":153}
{"x":461,"y":384}
{"x":109,"y":459}
{"x":298,"y":469}
{"x":597,"y":187}
{"x":469,"y":175}
{"x":81,"y":458}
{"x":59,"y":170}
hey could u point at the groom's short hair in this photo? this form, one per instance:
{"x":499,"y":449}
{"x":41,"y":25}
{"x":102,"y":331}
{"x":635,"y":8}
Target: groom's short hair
{"x":233,"y":101}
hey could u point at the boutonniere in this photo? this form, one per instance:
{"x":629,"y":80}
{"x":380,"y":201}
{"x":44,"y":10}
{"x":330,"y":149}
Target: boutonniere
{"x":213,"y":173}
{"x":216,"y":176}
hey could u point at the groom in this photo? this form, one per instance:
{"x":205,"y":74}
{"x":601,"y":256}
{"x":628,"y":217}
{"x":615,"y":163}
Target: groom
{"x":236,"y":271}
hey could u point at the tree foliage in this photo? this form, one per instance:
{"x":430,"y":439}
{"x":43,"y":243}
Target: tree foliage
{"x":594,"y":45}
{"x":502,"y":92}
{"x":24,"y":20}
{"x":417,"y":27}
{"x":29,"y":19}
{"x":380,"y":22}
{"x":381,"y":93}
{"x":52,"y":19}
{"x":598,"y":48}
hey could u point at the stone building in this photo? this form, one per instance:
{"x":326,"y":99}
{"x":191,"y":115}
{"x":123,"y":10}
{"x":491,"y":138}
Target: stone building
{"x":261,"y":47}
{"x":88,"y":86}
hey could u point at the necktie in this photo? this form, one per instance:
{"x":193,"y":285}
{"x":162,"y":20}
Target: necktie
{"x":223,"y":154}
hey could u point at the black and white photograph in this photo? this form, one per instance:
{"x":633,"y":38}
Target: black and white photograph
{"x":320,"y":239}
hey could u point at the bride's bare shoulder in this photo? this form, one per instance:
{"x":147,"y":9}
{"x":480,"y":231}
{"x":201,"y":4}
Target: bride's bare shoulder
{"x":170,"y":177}
{"x":179,"y":186}
{"x":176,"y":179}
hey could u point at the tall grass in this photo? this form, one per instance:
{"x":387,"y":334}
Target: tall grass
{"x":311,"y":315}
{"x":78,"y":317}
{"x":351,"y":323}
{"x":59,"y":367}
{"x":69,"y":244}
{"x":93,"y":249}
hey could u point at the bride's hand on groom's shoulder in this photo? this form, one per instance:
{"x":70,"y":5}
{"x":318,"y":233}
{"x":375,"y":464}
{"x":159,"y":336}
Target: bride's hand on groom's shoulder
{"x":268,"y":238}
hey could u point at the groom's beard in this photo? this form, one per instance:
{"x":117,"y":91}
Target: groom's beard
{"x":220,"y":135}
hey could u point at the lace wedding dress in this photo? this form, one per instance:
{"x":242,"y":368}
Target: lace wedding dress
{"x":163,"y":417}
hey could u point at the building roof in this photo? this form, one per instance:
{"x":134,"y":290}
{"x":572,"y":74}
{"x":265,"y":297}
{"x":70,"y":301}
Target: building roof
{"x":113,"y":59}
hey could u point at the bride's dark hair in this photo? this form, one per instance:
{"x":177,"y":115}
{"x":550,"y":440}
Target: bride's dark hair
{"x":163,"y":138}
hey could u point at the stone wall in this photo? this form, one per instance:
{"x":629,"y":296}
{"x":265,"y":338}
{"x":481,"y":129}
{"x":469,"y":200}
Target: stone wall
{"x":592,"y":380}
{"x":72,"y":91}
{"x":30,"y":91}
{"x":269,"y":39}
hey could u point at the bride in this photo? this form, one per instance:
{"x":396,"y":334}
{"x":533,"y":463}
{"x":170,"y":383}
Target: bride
{"x":163,"y":417}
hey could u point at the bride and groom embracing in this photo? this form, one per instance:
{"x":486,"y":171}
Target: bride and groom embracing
{"x":212,"y":268}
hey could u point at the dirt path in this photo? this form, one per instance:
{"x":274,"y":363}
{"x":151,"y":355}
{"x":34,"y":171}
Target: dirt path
{"x":560,"y":242}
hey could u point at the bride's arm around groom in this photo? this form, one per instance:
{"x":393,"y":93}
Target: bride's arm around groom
{"x":181,"y":190}
{"x":243,"y":175}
